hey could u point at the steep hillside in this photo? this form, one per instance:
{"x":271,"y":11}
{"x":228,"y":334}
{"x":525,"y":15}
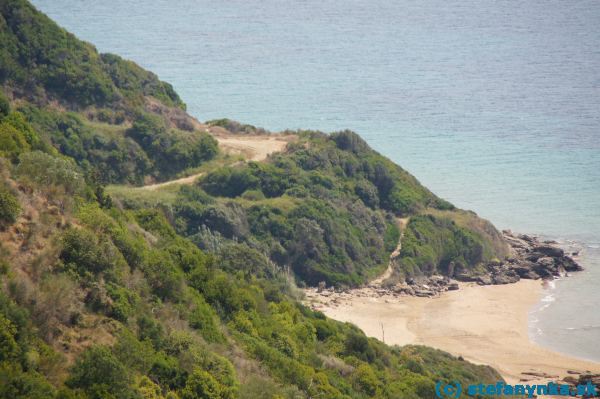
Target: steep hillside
{"x":189,"y":290}
{"x":42,"y":62}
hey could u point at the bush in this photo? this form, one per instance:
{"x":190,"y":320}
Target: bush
{"x":171,"y":151}
{"x":431,"y":244}
{"x":99,"y":373}
{"x":202,"y":385}
{"x":4,"y":105}
{"x":12,"y":142}
{"x":85,"y":254}
{"x":45,"y":171}
{"x":9,"y":207}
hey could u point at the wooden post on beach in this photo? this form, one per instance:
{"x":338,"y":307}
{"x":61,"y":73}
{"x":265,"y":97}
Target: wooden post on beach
{"x":382,"y":333}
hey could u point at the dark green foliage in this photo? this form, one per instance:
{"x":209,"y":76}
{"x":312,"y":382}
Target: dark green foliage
{"x":9,"y":207}
{"x":4,"y":105}
{"x":182,"y":322}
{"x":106,"y":157}
{"x":100,"y":374}
{"x":346,"y":193}
{"x":431,"y":243}
{"x":171,"y":151}
{"x":236,"y":127}
{"x":132,"y":80}
{"x":86,"y":255}
{"x":46,"y":61}
{"x":113,"y":154}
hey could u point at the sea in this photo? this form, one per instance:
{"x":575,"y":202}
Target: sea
{"x":494,"y":105}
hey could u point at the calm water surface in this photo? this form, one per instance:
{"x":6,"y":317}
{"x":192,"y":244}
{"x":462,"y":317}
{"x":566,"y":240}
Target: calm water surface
{"x":493,"y":105}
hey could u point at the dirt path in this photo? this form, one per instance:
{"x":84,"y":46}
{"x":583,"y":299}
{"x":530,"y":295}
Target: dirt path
{"x":402,"y":222}
{"x":184,"y":180}
{"x":320,"y":299}
{"x":253,"y":148}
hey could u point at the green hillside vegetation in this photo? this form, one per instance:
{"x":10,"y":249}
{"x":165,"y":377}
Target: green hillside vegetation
{"x":41,"y":61}
{"x":101,"y":302}
{"x":327,"y":209}
{"x":191,"y":291}
{"x":93,"y":107}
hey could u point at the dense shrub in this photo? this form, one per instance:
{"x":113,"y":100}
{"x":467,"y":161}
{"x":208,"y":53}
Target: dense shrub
{"x":171,"y":151}
{"x":100,"y":374}
{"x":9,"y":207}
{"x":4,"y":105}
{"x":49,"y":61}
{"x":85,"y":254}
{"x":431,"y":244}
{"x":45,"y":171}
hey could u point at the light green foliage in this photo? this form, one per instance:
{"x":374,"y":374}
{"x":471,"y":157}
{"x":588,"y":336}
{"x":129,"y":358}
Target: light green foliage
{"x":45,"y":171}
{"x":9,"y":207}
{"x":87,"y":255}
{"x":193,"y":297}
{"x":202,"y":385}
{"x":12,"y":142}
{"x":431,"y":244}
{"x":9,"y":349}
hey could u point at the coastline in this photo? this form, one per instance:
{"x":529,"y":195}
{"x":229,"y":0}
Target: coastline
{"x":483,"y":324}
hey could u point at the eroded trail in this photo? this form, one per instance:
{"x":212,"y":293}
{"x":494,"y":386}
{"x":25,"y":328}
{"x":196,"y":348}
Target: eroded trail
{"x":253,"y":147}
{"x":321,"y":299}
{"x":402,"y":222}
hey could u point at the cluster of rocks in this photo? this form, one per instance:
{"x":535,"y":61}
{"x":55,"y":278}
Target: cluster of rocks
{"x":530,"y":258}
{"x":535,"y":259}
{"x":576,"y":379}
{"x":426,"y":286}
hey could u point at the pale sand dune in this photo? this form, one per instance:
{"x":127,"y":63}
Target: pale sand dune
{"x":485,"y":325}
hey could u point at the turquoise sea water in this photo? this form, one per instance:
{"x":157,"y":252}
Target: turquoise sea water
{"x":495,"y":106}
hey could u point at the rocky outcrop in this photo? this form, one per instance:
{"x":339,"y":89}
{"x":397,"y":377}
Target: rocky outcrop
{"x":582,"y":379}
{"x":531,"y":258}
{"x":536,"y":259}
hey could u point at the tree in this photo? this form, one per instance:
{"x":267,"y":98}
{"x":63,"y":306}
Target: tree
{"x":9,"y":207}
{"x":4,"y":105}
{"x":201,"y":385}
{"x":98,"y":372}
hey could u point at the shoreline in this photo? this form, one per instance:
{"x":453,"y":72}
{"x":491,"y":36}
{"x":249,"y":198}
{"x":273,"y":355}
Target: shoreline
{"x":484,"y":324}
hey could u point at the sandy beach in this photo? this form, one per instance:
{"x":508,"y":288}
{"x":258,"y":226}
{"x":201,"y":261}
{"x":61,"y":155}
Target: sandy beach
{"x":483,"y":324}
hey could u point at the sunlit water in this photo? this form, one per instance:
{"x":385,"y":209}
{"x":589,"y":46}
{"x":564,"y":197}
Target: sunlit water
{"x":493,"y":105}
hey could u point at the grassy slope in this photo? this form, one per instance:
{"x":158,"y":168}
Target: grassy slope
{"x":100,"y":300}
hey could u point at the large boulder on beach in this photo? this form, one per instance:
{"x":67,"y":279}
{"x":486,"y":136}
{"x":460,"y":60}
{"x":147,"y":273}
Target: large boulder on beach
{"x":525,"y":271}
{"x":505,"y":278}
{"x":484,"y":280}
